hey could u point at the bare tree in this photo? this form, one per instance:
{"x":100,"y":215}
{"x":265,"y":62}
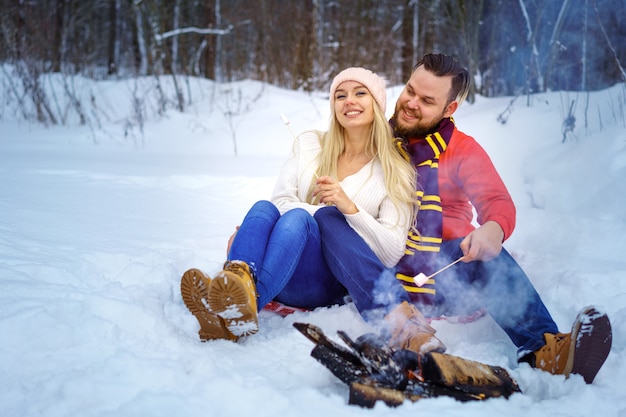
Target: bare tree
{"x":508,"y":46}
{"x":234,"y":106}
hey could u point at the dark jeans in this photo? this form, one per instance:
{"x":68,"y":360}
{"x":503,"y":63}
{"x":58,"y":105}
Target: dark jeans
{"x":499,"y":286}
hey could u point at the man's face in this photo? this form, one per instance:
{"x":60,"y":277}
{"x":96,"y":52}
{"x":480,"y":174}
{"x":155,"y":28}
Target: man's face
{"x":423,"y":103}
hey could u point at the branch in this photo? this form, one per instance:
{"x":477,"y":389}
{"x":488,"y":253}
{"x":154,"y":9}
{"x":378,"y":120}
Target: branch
{"x":559,"y":21}
{"x":192,"y":29}
{"x":608,"y":41}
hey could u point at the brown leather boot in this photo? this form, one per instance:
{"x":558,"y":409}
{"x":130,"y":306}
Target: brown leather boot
{"x":194,"y":288}
{"x":232,"y":296}
{"x":410,"y":330}
{"x":582,"y":352}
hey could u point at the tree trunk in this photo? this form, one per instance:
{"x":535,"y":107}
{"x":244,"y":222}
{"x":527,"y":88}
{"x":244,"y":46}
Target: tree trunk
{"x":218,"y":42}
{"x":408,"y":39}
{"x":175,"y":26}
{"x":112,"y":65}
{"x":57,"y":55}
{"x":142,"y":50}
{"x":209,"y":51}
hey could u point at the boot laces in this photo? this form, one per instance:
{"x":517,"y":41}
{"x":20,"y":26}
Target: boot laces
{"x":420,"y":325}
{"x":239,"y":268}
{"x":553,"y":355}
{"x":244,"y":271}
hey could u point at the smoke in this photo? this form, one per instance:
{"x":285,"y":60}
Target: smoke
{"x":500,"y":287}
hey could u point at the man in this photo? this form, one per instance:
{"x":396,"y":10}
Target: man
{"x":455,"y":175}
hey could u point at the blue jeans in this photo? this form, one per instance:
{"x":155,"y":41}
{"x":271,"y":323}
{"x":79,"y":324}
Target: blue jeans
{"x":285,"y":255}
{"x":499,"y":286}
{"x":293,"y":260}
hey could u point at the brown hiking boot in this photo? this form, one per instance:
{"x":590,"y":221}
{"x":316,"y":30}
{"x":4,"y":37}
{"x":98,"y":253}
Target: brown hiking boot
{"x":194,"y":288}
{"x":232,"y":296}
{"x":411,"y":331}
{"x":582,"y":352}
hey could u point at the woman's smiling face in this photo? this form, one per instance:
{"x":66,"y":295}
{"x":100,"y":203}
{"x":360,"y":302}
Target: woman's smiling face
{"x":354,"y":105}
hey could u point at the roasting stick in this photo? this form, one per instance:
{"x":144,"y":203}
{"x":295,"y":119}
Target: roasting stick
{"x":421,"y":278}
{"x":287,"y":122}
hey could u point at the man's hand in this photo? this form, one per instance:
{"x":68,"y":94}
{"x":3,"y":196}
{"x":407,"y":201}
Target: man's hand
{"x":484,"y":243}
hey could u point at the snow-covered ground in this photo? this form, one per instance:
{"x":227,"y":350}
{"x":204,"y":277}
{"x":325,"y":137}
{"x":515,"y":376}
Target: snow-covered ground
{"x":96,"y":229}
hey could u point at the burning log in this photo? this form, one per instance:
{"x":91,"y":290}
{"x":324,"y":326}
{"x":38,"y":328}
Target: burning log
{"x":375,"y":372}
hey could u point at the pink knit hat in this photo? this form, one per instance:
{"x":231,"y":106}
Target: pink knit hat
{"x":374,"y":83}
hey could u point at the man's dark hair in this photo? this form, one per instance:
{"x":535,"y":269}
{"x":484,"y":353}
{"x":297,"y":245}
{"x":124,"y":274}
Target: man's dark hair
{"x":444,"y":65}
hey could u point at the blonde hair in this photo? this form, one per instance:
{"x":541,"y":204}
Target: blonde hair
{"x":399,"y":174}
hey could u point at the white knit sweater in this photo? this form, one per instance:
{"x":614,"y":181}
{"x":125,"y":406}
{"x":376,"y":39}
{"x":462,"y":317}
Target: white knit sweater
{"x":378,"y":221}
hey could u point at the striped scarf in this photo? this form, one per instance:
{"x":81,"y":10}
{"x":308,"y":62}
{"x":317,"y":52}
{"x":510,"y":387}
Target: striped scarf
{"x":423,"y":246}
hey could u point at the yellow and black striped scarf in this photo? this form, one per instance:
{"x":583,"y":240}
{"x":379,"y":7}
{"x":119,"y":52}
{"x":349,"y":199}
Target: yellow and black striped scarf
{"x":422,"y":247}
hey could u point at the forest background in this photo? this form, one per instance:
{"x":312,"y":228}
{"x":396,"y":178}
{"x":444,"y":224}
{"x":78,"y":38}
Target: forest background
{"x":512,"y":47}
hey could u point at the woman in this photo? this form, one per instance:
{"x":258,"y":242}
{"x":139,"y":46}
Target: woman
{"x":351,"y":173}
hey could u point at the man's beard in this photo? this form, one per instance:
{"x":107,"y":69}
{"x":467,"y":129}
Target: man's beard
{"x":414,"y":131}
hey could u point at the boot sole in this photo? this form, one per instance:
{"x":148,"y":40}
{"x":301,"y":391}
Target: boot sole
{"x":194,"y":290}
{"x":591,"y":343}
{"x":228,"y":298}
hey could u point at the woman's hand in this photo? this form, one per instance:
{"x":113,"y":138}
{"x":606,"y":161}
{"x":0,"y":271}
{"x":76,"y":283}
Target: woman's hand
{"x":329,"y":192}
{"x":230,"y":240}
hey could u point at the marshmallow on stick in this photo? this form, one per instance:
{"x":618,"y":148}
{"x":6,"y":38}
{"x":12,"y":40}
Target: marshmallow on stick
{"x":421,"y":278}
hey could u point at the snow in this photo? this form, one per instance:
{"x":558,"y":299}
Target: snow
{"x":96,"y":229}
